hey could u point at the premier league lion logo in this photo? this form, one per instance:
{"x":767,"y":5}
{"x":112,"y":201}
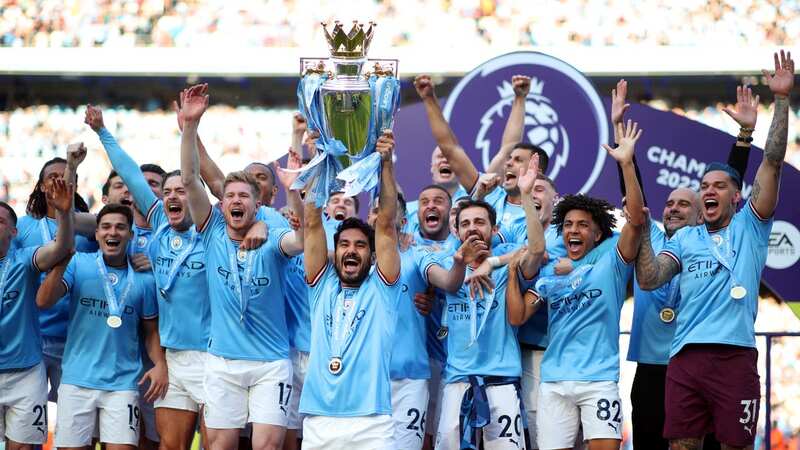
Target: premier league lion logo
{"x":563,"y":115}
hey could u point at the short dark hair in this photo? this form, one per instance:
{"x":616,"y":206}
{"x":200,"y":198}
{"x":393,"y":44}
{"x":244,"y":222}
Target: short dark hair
{"x":107,"y":184}
{"x":116,"y":208}
{"x":472,"y":203}
{"x":544,"y":159}
{"x":600,"y":210}
{"x":11,"y":212}
{"x":356,"y":203}
{"x":153,"y":168}
{"x":547,"y":180}
{"x":168,"y":175}
{"x":37,"y":201}
{"x":355,"y":222}
{"x":268,"y":167}
{"x":439,"y":187}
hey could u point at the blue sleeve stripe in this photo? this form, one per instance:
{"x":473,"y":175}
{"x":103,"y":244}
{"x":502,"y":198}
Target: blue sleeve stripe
{"x":150,"y":211}
{"x":621,"y":257}
{"x":33,"y":260}
{"x":383,"y":277}
{"x":758,"y":216}
{"x":672,"y":255}
{"x":202,"y":227}
{"x":314,"y":281}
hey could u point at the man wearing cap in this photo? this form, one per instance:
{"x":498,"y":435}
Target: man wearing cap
{"x":712,"y":377}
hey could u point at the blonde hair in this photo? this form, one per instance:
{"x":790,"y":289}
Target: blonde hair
{"x":243,"y":177}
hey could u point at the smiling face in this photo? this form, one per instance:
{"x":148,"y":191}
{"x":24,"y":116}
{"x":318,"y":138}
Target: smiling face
{"x":517,"y":160}
{"x":580,"y":232}
{"x":176,"y":203}
{"x":719,"y":196}
{"x":434,"y":213}
{"x":475,"y":220}
{"x":682,"y":209}
{"x":239,"y":205}
{"x":441,"y":172}
{"x":353,"y":257}
{"x":112,"y":234}
{"x":118,"y":193}
{"x":340,"y":207}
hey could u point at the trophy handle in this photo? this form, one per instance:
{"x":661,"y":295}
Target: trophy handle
{"x":323,"y":65}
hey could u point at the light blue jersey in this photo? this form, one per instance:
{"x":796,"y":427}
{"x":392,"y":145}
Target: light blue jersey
{"x":583,"y":312}
{"x":32,"y":232}
{"x":97,"y":356}
{"x":494,"y":351}
{"x":651,"y":338}
{"x":248,"y":317}
{"x":708,"y":313}
{"x":534,"y":331}
{"x":20,"y":341}
{"x":412,"y":219}
{"x":272,"y":217}
{"x":183,"y":303}
{"x":363,"y":386}
{"x":298,"y":318}
{"x":409,"y":352}
{"x":509,"y":215}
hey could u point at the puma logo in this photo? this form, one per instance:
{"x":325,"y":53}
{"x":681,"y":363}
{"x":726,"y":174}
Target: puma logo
{"x":613,"y":427}
{"x":748,"y":429}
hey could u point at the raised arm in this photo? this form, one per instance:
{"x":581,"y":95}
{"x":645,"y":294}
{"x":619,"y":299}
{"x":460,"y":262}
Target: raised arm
{"x":292,"y":243}
{"x":61,"y":195}
{"x":628,"y":243}
{"x":519,"y":308}
{"x":456,"y":156}
{"x":532,"y":257}
{"x":471,"y":250}
{"x":653,"y":271}
{"x":745,"y":113}
{"x":125,"y":166}
{"x":209,"y":171}
{"x":194,"y":104}
{"x":299,"y":127}
{"x":768,"y":176}
{"x":52,"y":287}
{"x":386,"y":239}
{"x":515,"y":125}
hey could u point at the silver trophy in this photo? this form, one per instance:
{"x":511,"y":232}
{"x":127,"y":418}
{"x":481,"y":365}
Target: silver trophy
{"x":346,"y":96}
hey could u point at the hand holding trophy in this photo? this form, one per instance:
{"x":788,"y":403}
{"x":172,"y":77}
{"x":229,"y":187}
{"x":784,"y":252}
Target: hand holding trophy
{"x":349,"y":110}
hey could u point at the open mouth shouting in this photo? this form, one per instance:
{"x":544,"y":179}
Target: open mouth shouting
{"x":432,"y":219}
{"x":711,"y":205}
{"x":574,"y":245}
{"x":174,"y":209}
{"x":510,"y":177}
{"x":445,"y":170}
{"x":339,"y":214}
{"x":237,"y":214}
{"x":351,"y":264}
{"x":113,"y":243}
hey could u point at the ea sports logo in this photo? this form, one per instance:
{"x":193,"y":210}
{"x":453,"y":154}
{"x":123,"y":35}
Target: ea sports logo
{"x":563,"y":115}
{"x":784,"y":245}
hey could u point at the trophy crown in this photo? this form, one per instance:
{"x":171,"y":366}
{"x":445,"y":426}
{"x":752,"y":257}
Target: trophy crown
{"x":353,"y":44}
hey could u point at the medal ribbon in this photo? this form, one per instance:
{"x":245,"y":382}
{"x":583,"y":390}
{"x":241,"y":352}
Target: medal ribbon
{"x":238,"y":289}
{"x":3,"y":279}
{"x":556,"y":286}
{"x":180,"y":258}
{"x":474,"y":330}
{"x":723,"y":259}
{"x":114,"y":305}
{"x":341,"y":336}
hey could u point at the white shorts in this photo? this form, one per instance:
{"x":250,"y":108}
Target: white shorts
{"x":238,"y":392}
{"x":530,"y":383}
{"x":299,"y":369}
{"x":78,"y":409}
{"x":186,"y":369}
{"x":435,"y":387}
{"x":566,"y":405}
{"x":23,"y":405}
{"x":409,"y":404}
{"x":352,"y":433}
{"x":504,"y":430}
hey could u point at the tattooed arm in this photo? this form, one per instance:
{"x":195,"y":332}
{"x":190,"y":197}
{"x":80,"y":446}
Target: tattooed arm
{"x":653,"y":271}
{"x":765,"y":188}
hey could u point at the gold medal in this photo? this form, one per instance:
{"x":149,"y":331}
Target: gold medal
{"x":335,"y":365}
{"x":667,"y":315}
{"x":738,"y":292}
{"x":114,"y":321}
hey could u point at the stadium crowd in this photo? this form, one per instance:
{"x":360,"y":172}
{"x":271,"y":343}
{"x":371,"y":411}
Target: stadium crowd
{"x":486,"y":309}
{"x":470,"y":23}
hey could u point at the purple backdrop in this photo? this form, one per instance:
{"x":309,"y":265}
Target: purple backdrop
{"x":566,"y":116}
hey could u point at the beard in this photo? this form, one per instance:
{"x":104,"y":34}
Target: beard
{"x":355,"y":279}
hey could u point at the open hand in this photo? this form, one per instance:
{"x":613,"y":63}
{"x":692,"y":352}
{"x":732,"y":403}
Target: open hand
{"x":159,"y":382}
{"x":627,"y":135}
{"x":745,"y":111}
{"x":60,"y":194}
{"x":195,"y":103}
{"x":782,"y":80}
{"x":527,"y":176}
{"x":618,"y":105}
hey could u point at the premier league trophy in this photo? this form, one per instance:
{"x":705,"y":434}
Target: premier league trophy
{"x":349,"y":109}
